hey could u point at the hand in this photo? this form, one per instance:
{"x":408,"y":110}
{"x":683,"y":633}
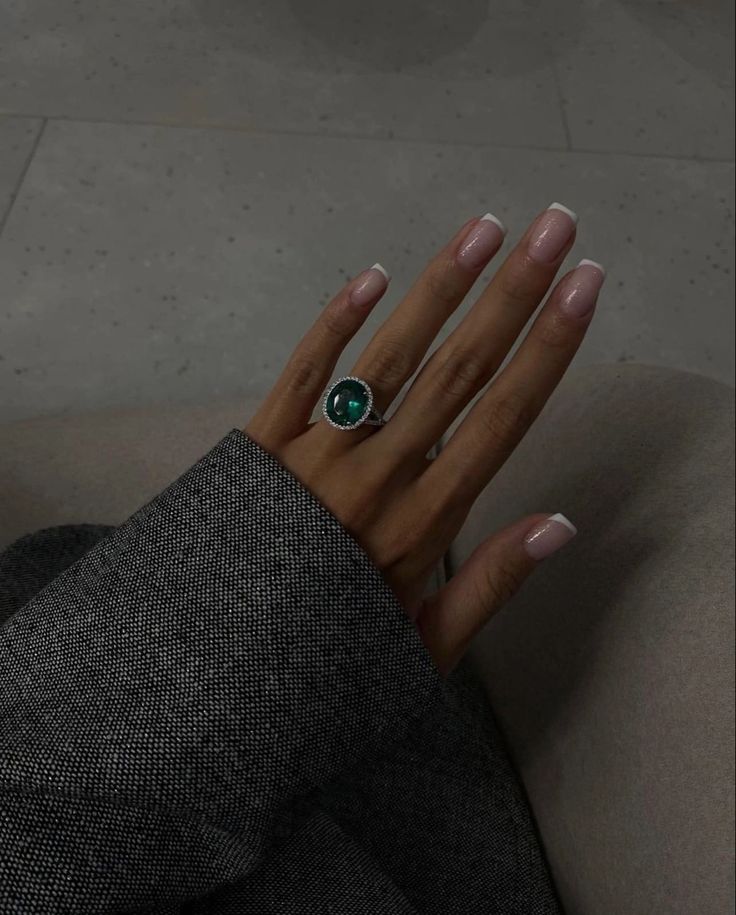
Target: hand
{"x":404,"y":508}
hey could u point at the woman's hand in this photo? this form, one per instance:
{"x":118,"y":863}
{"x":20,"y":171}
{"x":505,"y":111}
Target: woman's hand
{"x":402,"y":507}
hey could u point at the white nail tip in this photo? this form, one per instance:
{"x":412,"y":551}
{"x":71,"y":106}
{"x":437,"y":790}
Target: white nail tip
{"x":585,"y":261}
{"x":571,"y":213}
{"x":563,"y":520}
{"x":491,"y":218}
{"x":382,"y":269}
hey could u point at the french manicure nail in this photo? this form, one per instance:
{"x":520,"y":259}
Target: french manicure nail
{"x":582,"y":288}
{"x":552,"y":232}
{"x":482,"y":241}
{"x":370,"y":285}
{"x":546,"y":538}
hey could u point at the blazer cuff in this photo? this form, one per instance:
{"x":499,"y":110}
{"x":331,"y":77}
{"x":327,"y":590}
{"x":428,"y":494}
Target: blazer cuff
{"x":229,"y":647}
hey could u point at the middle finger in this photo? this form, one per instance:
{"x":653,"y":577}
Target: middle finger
{"x":473,"y":352}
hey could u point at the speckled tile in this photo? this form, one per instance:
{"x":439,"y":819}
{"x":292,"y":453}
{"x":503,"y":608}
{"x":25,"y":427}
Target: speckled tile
{"x":651,"y":78}
{"x":17,"y":139}
{"x":147,"y":264}
{"x":416,"y":70}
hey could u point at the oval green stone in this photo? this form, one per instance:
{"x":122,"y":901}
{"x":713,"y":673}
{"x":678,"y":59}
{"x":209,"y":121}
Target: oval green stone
{"x":346,"y":403}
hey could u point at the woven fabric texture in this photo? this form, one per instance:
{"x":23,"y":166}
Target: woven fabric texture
{"x":221,"y":706}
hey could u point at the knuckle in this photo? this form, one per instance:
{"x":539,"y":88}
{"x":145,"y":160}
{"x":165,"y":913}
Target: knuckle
{"x":305,"y":374}
{"x":397,"y":546}
{"x":517,"y":289}
{"x":554,"y":333}
{"x":439,"y":286}
{"x":391,"y":361}
{"x":334,"y":321}
{"x":460,"y":374}
{"x":501,"y":584}
{"x":514,"y":296}
{"x":505,"y":420}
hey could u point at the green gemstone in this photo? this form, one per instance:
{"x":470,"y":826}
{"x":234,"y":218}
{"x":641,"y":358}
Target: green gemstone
{"x":347,"y":402}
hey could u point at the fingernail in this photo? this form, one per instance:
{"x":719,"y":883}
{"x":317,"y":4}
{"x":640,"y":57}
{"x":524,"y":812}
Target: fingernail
{"x":552,"y":233}
{"x":546,"y":538}
{"x":369,"y":285}
{"x":582,"y":287}
{"x":483,"y":240}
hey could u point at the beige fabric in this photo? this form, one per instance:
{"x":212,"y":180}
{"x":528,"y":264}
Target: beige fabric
{"x":98,"y":468}
{"x":612,"y":671}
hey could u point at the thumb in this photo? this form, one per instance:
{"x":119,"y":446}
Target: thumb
{"x":492,"y":574}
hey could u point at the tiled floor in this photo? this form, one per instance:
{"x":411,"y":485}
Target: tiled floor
{"x":184,"y":184}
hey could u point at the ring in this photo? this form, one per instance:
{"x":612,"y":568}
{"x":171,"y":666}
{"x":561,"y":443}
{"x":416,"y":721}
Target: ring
{"x":348,"y":403}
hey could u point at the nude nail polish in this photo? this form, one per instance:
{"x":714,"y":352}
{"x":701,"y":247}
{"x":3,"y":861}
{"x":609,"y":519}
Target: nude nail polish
{"x":482,"y":241}
{"x":551,"y":233}
{"x":370,"y":286}
{"x":582,"y":288}
{"x":546,"y":538}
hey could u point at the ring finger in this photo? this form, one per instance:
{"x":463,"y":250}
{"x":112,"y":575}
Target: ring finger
{"x":472,"y":353}
{"x":502,"y":416}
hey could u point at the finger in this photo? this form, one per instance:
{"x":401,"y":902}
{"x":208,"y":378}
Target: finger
{"x":401,"y":342}
{"x":449,"y":619}
{"x":290,"y":403}
{"x":502,"y":416}
{"x":473,"y":352}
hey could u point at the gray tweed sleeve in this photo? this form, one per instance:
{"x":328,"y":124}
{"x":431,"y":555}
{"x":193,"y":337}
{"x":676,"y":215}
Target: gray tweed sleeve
{"x":169,"y":703}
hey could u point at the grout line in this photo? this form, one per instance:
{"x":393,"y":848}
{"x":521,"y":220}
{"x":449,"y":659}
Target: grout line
{"x":22,"y":177}
{"x":237,"y":128}
{"x":232,"y":128}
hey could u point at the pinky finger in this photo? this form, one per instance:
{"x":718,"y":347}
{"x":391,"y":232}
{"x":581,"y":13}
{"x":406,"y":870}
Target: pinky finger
{"x":450,"y":618}
{"x":286,"y":411}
